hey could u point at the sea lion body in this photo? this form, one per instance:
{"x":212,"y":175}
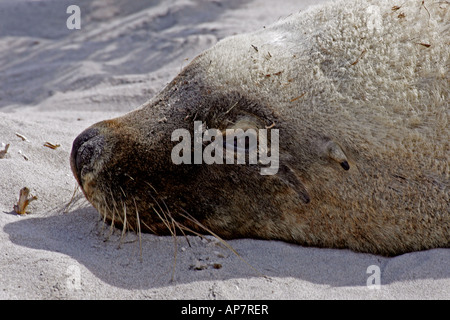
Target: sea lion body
{"x":359,"y":94}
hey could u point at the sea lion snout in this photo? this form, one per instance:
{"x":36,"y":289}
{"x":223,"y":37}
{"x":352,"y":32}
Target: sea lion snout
{"x":86,"y":148}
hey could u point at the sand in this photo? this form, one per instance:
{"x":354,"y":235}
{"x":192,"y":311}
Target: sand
{"x":55,"y":82}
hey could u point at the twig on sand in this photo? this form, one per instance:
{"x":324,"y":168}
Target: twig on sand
{"x":21,"y":136}
{"x":51,"y":145}
{"x":24,"y":201}
{"x":4,"y":151}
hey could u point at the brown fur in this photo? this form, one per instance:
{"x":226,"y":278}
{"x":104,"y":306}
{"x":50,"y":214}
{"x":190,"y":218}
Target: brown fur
{"x":362,"y":166}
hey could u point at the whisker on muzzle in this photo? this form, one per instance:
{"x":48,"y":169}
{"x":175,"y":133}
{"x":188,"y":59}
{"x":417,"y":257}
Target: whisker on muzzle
{"x":189,"y":217}
{"x":138,"y":223}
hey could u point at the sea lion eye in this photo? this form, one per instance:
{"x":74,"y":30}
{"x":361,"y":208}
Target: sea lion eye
{"x":239,"y":140}
{"x":241,"y":137}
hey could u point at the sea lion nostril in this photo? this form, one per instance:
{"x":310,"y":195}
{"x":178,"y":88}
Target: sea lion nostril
{"x":86,"y":148}
{"x":82,"y":138}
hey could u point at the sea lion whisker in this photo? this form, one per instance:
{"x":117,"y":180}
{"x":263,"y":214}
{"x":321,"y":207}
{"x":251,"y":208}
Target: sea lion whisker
{"x":196,"y":233}
{"x":124,"y":220}
{"x":104,"y":210}
{"x":172,"y":229}
{"x":124,"y":226}
{"x":154,"y":199}
{"x":151,"y":187}
{"x":182,"y":228}
{"x":123,"y":192}
{"x":72,"y":199}
{"x":175,"y":250}
{"x":172,"y":219}
{"x":173,"y":233}
{"x":164,"y":220}
{"x":138,"y":223}
{"x":149,"y":228}
{"x":114,"y":203}
{"x":157,"y":202}
{"x":225,"y":243}
{"x":103,"y":213}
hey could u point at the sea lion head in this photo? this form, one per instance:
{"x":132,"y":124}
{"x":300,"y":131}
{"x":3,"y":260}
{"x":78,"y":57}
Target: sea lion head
{"x":126,"y":166}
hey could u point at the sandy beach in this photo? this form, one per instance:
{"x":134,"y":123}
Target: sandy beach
{"x":55,"y":82}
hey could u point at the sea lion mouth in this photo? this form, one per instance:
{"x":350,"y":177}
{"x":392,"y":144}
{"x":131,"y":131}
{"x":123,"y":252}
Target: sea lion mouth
{"x":86,"y":149}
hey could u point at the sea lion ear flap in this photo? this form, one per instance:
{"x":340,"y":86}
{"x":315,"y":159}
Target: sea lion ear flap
{"x":334,"y":152}
{"x":290,"y":178}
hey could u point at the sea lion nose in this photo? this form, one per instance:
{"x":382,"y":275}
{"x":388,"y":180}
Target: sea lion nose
{"x":86,"y":148}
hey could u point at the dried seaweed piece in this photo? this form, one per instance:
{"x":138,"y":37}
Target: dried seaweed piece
{"x":51,"y":145}
{"x":24,"y":201}
{"x":21,"y":136}
{"x":360,"y":56}
{"x":300,"y":96}
{"x":4,"y":152}
{"x":23,"y":155}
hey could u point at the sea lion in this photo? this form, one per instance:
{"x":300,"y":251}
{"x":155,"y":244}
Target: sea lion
{"x":359,"y":94}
